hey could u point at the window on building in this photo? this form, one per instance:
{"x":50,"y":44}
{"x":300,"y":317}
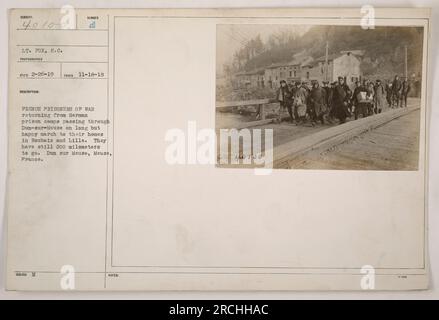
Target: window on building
{"x":295,"y":74}
{"x":307,"y":74}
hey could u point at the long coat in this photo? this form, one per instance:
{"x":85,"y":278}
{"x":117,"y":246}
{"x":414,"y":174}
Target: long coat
{"x":340,"y":97}
{"x":317,"y":100}
{"x":300,"y":96}
{"x":405,"y":88}
{"x":380,"y":97}
{"x":389,"y":93}
{"x":396,"y":86}
{"x":328,"y":96}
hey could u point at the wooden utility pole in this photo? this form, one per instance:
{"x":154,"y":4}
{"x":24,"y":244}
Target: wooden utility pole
{"x":406,"y":68}
{"x":326,"y":61}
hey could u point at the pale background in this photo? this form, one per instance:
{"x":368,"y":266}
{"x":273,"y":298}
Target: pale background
{"x":433,"y":191}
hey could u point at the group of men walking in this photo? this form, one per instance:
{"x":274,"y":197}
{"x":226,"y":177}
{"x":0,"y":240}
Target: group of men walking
{"x":333,"y":101}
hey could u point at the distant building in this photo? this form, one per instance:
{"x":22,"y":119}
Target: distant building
{"x":344,"y":64}
{"x":289,"y":71}
{"x":249,"y":79}
{"x":272,"y":75}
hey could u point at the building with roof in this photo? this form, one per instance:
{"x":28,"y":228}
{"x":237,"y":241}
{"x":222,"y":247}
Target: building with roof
{"x":248,"y":79}
{"x":305,"y":68}
{"x":344,"y":64}
{"x":289,"y":71}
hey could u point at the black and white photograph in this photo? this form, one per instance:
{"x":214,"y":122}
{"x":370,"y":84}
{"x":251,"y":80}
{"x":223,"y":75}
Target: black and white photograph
{"x":335,"y":97}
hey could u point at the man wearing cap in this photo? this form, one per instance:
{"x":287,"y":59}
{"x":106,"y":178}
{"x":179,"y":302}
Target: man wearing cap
{"x":405,"y":89}
{"x":300,"y":96}
{"x":306,"y":86}
{"x":355,"y":98}
{"x":283,"y":95}
{"x":326,"y":88}
{"x":317,"y":103}
{"x":331,"y":114}
{"x":360,"y":101}
{"x":396,"y":90}
{"x":380,"y":97}
{"x":389,"y":93}
{"x":340,"y":98}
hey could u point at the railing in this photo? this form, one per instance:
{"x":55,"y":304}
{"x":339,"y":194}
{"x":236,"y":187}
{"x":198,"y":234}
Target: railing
{"x":259,"y":103}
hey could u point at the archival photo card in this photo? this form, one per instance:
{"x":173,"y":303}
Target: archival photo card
{"x":218,"y":149}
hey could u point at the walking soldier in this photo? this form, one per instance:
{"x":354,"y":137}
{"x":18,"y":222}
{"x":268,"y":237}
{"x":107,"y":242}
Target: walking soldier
{"x":340,"y":100}
{"x":404,"y":92}
{"x":283,"y":95}
{"x":396,"y":90}
{"x":317,"y":103}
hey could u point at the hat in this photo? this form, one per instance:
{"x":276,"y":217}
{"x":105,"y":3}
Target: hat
{"x":340,"y":77}
{"x":297,"y":83}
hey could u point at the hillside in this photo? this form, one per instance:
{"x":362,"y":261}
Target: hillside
{"x":384,"y":48}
